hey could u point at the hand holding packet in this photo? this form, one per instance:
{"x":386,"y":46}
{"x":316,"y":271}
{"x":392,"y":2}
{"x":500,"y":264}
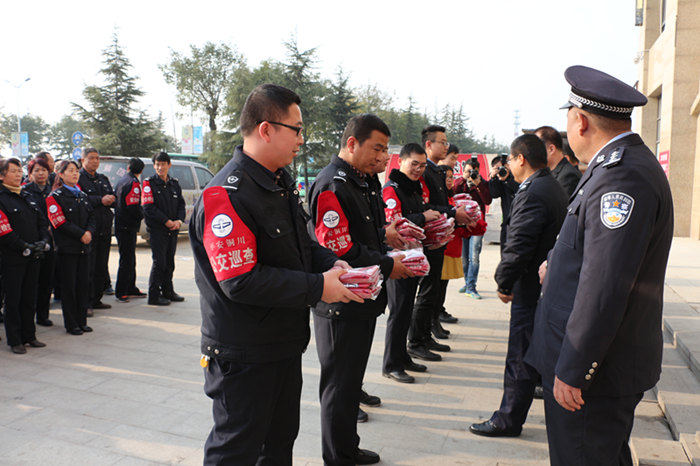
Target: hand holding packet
{"x":415,"y":260}
{"x":365,"y":282}
{"x":439,"y":232}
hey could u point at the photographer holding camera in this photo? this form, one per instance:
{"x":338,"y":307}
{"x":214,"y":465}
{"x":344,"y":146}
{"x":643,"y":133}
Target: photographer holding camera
{"x":503,"y":185}
{"x":471,"y":183}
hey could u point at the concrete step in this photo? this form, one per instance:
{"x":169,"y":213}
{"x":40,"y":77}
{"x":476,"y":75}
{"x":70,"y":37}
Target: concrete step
{"x":647,"y":452}
{"x":691,"y":445}
{"x":681,"y":323}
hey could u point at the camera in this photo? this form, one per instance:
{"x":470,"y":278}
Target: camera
{"x":473,"y":174}
{"x":502,"y":172}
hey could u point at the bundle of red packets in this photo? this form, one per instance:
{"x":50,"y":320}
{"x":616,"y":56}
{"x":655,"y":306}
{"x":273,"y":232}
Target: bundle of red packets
{"x":414,"y":260}
{"x":471,"y":206}
{"x":365,"y":282}
{"x":439,"y":232}
{"x":411,"y":233}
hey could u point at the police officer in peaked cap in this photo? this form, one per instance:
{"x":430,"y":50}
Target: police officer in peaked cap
{"x":597,"y":340}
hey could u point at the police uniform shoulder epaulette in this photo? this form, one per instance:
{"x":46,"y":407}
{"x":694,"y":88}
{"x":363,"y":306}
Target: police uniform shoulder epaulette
{"x":340,"y":175}
{"x":393,"y":184}
{"x":615,"y":157}
{"x":233,"y":181}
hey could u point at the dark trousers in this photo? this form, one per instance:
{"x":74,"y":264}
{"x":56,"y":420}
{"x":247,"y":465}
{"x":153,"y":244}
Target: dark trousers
{"x":598,"y":434}
{"x":343,"y":348}
{"x":99,"y":262}
{"x":19,"y":283}
{"x":520,"y":378}
{"x":163,"y":246}
{"x":441,"y":299}
{"x":126,"y":274}
{"x":256,"y":412}
{"x":428,"y":301}
{"x":45,"y":285}
{"x":401,"y":294}
{"x":74,"y":269}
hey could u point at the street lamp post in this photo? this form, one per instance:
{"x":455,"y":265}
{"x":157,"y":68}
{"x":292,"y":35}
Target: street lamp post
{"x":19,"y":121}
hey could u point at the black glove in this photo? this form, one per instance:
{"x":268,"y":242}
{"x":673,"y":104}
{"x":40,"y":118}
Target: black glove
{"x":38,"y":249}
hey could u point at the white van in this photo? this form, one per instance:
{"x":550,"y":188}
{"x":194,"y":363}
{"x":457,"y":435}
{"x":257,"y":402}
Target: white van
{"x":192,"y":176}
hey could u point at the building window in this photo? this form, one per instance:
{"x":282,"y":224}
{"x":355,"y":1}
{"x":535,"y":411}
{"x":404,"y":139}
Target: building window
{"x":658,"y":125}
{"x":663,"y":15}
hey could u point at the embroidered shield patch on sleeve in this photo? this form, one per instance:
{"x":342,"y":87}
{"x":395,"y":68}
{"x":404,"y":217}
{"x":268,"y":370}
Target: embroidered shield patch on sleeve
{"x":615,"y":209}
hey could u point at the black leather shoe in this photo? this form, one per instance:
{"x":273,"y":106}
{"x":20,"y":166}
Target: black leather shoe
{"x":369,"y":400}
{"x":101,"y":305}
{"x":44,"y":323}
{"x":435,"y":346}
{"x":36,"y":344}
{"x":174,"y":297}
{"x":19,"y":349}
{"x":362,"y":416}
{"x":159,"y":301}
{"x":399,"y":376}
{"x":538,"y":393}
{"x":489,"y":429}
{"x":421,"y":352}
{"x":85,"y":328}
{"x":366,"y":457}
{"x":437,"y":332}
{"x":447,"y":318}
{"x":75,"y":331}
{"x":415,"y":367}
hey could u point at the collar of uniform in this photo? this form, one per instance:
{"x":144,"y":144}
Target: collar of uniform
{"x":541,"y":172}
{"x":350,"y":171}
{"x":405,"y":182}
{"x":86,"y":173}
{"x":261,"y":175}
{"x":159,"y":180}
{"x":601,"y":155}
{"x":560,"y":166}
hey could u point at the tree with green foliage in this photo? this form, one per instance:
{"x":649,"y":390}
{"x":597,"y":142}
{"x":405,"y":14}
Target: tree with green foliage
{"x":203,"y":78}
{"x":59,"y":136}
{"x":341,"y":105}
{"x":114,"y":125}
{"x":35,"y":127}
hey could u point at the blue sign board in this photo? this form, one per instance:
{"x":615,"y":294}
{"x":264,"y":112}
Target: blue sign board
{"x":77,"y":138}
{"x":24,"y":143}
{"x":77,"y":153}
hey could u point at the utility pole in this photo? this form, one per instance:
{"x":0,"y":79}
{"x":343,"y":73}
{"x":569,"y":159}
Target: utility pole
{"x":19,"y":121}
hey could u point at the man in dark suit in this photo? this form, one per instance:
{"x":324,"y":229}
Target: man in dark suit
{"x":566,"y":174}
{"x":536,"y":216}
{"x":597,"y":340}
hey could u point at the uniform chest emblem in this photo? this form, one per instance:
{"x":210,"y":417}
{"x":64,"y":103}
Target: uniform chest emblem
{"x":53,"y":208}
{"x":221,"y":226}
{"x":391,"y":203}
{"x":615,"y":209}
{"x":231,"y":179}
{"x":331,"y":219}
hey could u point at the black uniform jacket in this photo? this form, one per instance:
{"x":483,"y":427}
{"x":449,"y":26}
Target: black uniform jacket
{"x":439,"y":197}
{"x":37,"y":196}
{"x":567,"y":175}
{"x":348,"y":222}
{"x":127,"y":207}
{"x":505,"y":190}
{"x":95,"y":187}
{"x":598,"y":324}
{"x":403,"y":198}
{"x":162,"y":201}
{"x":257,"y":270}
{"x":536,"y":216}
{"x":70,"y":216}
{"x":21,"y":222}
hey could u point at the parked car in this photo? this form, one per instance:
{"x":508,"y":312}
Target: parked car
{"x":193,"y":178}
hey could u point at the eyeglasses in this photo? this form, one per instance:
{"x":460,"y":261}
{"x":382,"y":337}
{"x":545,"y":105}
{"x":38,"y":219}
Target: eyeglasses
{"x":298,"y":129}
{"x":444,"y":143}
{"x":509,"y":159}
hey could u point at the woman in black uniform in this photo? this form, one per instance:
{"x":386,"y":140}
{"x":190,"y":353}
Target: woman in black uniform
{"x":23,"y":237}
{"x":73,"y":225}
{"x":37,"y":190}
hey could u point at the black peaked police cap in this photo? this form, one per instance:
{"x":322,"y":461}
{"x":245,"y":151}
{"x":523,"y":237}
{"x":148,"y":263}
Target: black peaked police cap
{"x":600,"y":93}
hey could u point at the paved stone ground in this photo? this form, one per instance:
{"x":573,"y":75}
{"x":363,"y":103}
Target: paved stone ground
{"x":130,"y":393}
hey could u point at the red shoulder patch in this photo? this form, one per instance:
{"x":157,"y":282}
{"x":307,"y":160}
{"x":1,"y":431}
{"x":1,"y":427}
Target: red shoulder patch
{"x":332,"y":228}
{"x":231,"y":246}
{"x":53,"y":208}
{"x":5,"y":226}
{"x":426,"y":191}
{"x":146,"y":193}
{"x":392,"y":211}
{"x":134,"y":195}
